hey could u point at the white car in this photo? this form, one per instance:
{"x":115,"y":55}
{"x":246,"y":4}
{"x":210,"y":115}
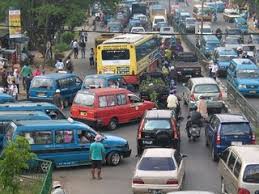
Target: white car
{"x":156,"y":20}
{"x":137,"y":29}
{"x":191,"y":192}
{"x":159,"y":169}
{"x":166,"y":30}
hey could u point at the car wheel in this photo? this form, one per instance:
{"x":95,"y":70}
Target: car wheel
{"x":223,"y":189}
{"x":214,"y":155}
{"x":45,"y":166}
{"x":113,"y":124}
{"x":114,"y":158}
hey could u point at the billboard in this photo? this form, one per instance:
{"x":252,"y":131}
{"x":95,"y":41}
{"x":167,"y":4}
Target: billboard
{"x":15,"y":30}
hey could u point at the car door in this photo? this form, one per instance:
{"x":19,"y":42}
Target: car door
{"x":223,"y":164}
{"x":180,"y":164}
{"x":123,"y":108}
{"x":229,"y":174}
{"x":137,"y":106}
{"x":210,"y":130}
{"x":236,"y":174}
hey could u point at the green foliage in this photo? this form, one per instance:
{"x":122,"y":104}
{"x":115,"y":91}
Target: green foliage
{"x":67,"y":37}
{"x":14,"y":160}
{"x":61,"y":47}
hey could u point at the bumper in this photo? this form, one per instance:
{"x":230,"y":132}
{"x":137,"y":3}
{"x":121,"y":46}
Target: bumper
{"x":92,"y":123}
{"x":190,"y":29}
{"x":173,"y":144}
{"x":145,"y":188}
{"x":210,"y":104}
{"x":126,"y":154}
{"x":249,"y":92}
{"x":183,"y":76}
{"x":40,"y":99}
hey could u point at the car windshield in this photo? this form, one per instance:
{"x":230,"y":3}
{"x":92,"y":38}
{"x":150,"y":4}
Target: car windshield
{"x":212,"y":45}
{"x":84,"y":99}
{"x":156,"y":164}
{"x":251,"y":174}
{"x":206,"y":88}
{"x":190,"y":21}
{"x":234,"y":32}
{"x":151,"y":124}
{"x":225,"y":58}
{"x":206,"y":30}
{"x":248,"y":48}
{"x":235,"y":129}
{"x":159,"y":20}
{"x":256,"y":40}
{"x":232,"y":41}
{"x":248,"y":74}
{"x":42,"y":83}
{"x":94,"y":83}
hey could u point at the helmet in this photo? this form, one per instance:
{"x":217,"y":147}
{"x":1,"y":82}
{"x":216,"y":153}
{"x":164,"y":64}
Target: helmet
{"x":239,"y":48}
{"x":58,"y":91}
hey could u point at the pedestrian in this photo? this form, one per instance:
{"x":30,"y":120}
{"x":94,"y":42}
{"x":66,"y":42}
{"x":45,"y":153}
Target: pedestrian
{"x":37,"y":71}
{"x":17,"y":79}
{"x":59,"y":65}
{"x":27,"y":85}
{"x":75,"y":48}
{"x":82,"y":48}
{"x":69,"y":65}
{"x":58,"y":100}
{"x":202,"y":107}
{"x":4,"y":79}
{"x":214,"y":70}
{"x":13,"y":90}
{"x":91,"y":57}
{"x":25,"y":72}
{"x":10,"y":78}
{"x":57,"y":188}
{"x":97,"y":152}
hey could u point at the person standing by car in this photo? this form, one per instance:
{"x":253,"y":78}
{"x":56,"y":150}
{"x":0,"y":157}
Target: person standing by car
{"x":57,"y":100}
{"x":69,"y":65}
{"x":91,"y":57}
{"x":97,"y":152}
{"x":25,"y":72}
{"x":59,"y":65}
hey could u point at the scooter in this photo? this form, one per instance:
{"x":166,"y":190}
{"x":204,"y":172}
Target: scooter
{"x":194,"y":129}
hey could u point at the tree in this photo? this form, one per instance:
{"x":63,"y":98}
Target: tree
{"x":14,"y":160}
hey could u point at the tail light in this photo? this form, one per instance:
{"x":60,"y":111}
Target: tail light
{"x":175,"y":129}
{"x":192,"y":97}
{"x":137,"y":181}
{"x":243,"y":191}
{"x":218,"y":139}
{"x":172,"y":182}
{"x":253,"y":138}
{"x":220,"y":96}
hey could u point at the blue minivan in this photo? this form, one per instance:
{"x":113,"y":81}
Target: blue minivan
{"x":225,"y":130}
{"x":8,"y":116}
{"x":50,"y":109}
{"x":105,"y":81}
{"x":43,"y":88}
{"x":243,"y":74}
{"x":66,"y":142}
{"x":222,"y":57}
{"x":208,"y":44}
{"x":6,"y":98}
{"x":241,"y":23}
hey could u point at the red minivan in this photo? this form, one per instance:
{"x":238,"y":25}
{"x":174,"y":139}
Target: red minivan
{"x":108,"y":107}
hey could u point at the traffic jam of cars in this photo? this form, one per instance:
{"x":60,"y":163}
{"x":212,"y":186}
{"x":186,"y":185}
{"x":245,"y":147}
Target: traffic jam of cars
{"x":146,"y":74}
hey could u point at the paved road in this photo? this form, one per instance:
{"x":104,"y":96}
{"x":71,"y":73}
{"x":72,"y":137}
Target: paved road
{"x":201,"y":172}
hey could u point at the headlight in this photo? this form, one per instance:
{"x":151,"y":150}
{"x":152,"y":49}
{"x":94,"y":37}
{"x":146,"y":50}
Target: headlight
{"x":240,"y":86}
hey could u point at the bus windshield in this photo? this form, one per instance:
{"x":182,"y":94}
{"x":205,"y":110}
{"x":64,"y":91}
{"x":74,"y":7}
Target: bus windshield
{"x":248,"y":74}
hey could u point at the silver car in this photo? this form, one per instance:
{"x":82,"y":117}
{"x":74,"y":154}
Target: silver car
{"x":159,"y":169}
{"x":206,"y":87}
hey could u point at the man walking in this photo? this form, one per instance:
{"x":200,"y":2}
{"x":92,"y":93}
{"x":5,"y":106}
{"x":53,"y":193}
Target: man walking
{"x":75,"y":47}
{"x":97,"y":152}
{"x":82,"y":48}
{"x":57,"y":100}
{"x":25,"y":72}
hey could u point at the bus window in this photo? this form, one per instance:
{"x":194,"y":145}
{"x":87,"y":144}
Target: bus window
{"x":115,"y":54}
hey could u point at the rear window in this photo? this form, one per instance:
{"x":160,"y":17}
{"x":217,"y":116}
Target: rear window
{"x":156,"y":164}
{"x":115,"y":54}
{"x":151,"y":124}
{"x":235,"y":129}
{"x":206,"y":88}
{"x":251,"y":174}
{"x":42,"y":83}
{"x":94,"y":83}
{"x":84,"y":99}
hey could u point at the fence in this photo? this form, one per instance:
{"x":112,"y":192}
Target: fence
{"x":236,"y":98}
{"x":38,"y":174}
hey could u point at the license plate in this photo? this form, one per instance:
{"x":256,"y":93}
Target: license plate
{"x":252,"y":92}
{"x":236,"y":143}
{"x":41,"y":94}
{"x":83,"y":113}
{"x":147,"y":142}
{"x":188,"y":75}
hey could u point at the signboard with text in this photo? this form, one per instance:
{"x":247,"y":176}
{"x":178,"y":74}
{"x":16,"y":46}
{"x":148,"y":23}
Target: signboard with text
{"x":15,"y":30}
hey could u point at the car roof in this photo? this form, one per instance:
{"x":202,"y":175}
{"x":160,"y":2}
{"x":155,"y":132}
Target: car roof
{"x":17,"y":113}
{"x":102,"y":76}
{"x":27,"y":104}
{"x":244,"y":64}
{"x":158,"y":152}
{"x":55,"y":76}
{"x":203,"y":80}
{"x":104,"y":91}
{"x":247,"y":153}
{"x":158,"y":114}
{"x":210,"y":38}
{"x":230,"y":118}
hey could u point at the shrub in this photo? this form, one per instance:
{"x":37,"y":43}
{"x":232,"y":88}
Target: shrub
{"x":61,"y":47}
{"x":67,"y":37}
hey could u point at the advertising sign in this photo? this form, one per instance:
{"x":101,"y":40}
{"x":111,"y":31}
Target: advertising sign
{"x":15,"y":30}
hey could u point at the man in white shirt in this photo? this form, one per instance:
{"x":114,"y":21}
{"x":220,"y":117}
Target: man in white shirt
{"x":59,"y":65}
{"x":214,"y":70}
{"x":172,"y":101}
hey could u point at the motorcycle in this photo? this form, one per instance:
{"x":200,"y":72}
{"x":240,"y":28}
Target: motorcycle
{"x":194,"y":129}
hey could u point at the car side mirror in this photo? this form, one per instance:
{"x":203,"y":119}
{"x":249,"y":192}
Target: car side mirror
{"x":184,"y":156}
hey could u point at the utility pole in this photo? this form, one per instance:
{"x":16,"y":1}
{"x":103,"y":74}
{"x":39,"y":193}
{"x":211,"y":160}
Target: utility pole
{"x":169,"y":12}
{"x":202,"y":15}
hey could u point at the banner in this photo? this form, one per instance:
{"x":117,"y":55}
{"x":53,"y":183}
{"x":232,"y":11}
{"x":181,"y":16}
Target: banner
{"x":15,"y":30}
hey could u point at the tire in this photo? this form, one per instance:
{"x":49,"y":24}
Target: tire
{"x":113,"y":124}
{"x":44,"y":166}
{"x":213,"y":155}
{"x":114,"y":158}
{"x":223,"y":189}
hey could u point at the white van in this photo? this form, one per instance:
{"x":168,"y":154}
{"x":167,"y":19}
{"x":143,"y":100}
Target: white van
{"x":156,"y":20}
{"x":239,"y":169}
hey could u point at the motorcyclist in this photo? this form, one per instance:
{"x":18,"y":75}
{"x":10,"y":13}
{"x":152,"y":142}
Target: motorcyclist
{"x":219,"y":33}
{"x":202,"y":107}
{"x":239,"y":51}
{"x":173,"y":103}
{"x":194,"y":119}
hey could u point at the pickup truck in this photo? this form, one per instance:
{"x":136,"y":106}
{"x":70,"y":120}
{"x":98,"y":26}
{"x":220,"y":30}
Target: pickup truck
{"x":186,"y":66}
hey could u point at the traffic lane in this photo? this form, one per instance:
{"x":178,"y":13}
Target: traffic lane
{"x":116,"y":180}
{"x":201,"y":171}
